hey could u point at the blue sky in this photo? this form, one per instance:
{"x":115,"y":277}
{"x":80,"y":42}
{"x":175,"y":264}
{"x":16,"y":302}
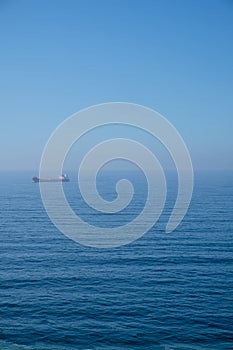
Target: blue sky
{"x":174,"y":56}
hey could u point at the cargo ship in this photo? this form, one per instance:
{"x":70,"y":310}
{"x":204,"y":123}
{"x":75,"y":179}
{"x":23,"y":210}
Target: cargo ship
{"x":62,"y":178}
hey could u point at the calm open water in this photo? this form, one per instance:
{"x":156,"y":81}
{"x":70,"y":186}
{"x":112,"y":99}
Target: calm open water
{"x":164,"y":291}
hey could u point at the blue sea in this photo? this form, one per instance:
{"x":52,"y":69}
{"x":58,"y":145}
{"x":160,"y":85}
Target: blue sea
{"x":163,"y":291}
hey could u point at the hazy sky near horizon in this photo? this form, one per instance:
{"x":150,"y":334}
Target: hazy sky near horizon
{"x":175,"y":56}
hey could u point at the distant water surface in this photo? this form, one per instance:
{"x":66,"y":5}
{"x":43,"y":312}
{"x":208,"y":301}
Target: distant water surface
{"x":164,"y":291}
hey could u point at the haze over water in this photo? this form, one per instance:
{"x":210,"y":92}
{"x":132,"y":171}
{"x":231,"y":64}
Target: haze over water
{"x":163,"y":291}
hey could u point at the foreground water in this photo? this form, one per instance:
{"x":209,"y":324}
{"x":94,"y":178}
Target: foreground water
{"x":164,"y":291}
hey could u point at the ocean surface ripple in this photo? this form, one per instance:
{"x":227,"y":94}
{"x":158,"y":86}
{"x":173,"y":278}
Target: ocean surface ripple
{"x":164,"y":291}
